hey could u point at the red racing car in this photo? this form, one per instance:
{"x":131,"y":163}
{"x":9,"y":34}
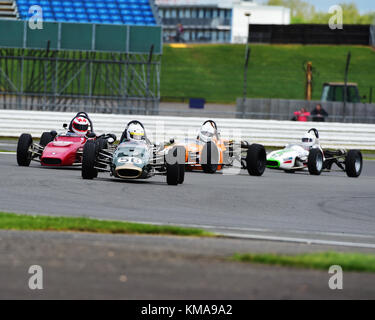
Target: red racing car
{"x":64,"y":149}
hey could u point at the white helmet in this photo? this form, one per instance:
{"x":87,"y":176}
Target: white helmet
{"x":207,"y":132}
{"x":309,"y":140}
{"x":80,"y":126}
{"x":135,"y":132}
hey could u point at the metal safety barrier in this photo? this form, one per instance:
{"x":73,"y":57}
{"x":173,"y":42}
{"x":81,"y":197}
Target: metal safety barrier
{"x":163,"y":128}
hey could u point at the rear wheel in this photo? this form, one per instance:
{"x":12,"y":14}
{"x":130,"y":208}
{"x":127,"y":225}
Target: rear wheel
{"x":256,"y":160}
{"x":88,"y":160}
{"x":210,"y":157}
{"x":353,"y":163}
{"x":101,"y":144}
{"x":315,"y":162}
{"x":46,"y":138}
{"x":24,"y":154}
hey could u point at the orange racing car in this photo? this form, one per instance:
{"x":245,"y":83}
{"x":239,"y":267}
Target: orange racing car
{"x":210,"y":153}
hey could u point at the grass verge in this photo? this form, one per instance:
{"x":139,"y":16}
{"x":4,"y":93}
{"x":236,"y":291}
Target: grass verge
{"x":11,"y":221}
{"x":8,"y":138}
{"x":215,"y":72}
{"x":348,"y":261}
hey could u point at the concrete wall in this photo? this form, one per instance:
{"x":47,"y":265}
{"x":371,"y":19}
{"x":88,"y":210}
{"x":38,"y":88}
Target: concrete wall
{"x":279,"y":109}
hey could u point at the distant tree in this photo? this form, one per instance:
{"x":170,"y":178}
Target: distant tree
{"x":303,"y":12}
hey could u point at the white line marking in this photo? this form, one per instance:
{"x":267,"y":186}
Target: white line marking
{"x":300,"y":240}
{"x":7,"y":145}
{"x":349,"y":235}
{"x":8,"y":153}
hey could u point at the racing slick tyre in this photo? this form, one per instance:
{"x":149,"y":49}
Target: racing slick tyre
{"x":173,"y":174}
{"x":23,"y":150}
{"x":88,"y":161}
{"x":210,"y":157}
{"x":353,"y":163}
{"x":315,"y":162}
{"x":181,"y":173}
{"x":256,"y":160}
{"x":101,"y":144}
{"x":175,"y":163}
{"x":46,"y":138}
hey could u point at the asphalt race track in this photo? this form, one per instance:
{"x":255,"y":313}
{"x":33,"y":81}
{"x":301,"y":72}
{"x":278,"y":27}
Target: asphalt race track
{"x":278,"y":212}
{"x":277,"y":202}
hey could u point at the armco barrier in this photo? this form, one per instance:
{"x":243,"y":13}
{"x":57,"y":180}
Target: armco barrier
{"x":161,"y":128}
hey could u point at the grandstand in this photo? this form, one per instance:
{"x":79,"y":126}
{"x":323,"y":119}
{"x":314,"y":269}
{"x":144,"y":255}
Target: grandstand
{"x":131,"y":12}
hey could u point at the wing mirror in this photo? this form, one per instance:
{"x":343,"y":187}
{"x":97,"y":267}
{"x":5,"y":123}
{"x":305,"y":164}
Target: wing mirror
{"x":53,"y":133}
{"x":172,"y":141}
{"x":65,"y":125}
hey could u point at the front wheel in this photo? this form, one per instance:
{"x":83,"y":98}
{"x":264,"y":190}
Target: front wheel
{"x":24,"y":154}
{"x":210,"y":157}
{"x":353,"y":163}
{"x":175,"y":163}
{"x":256,"y":159}
{"x":46,"y":138}
{"x":315,"y":162}
{"x":88,"y":161}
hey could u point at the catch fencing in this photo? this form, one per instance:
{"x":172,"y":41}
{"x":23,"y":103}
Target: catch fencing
{"x":162,"y":128}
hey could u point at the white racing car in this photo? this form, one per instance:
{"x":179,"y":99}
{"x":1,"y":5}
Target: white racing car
{"x":310,"y":155}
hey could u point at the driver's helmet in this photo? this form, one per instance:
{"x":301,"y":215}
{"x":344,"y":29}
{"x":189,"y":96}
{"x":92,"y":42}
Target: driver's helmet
{"x":80,"y":126}
{"x":309,"y":140}
{"x":207,"y":132}
{"x":135,"y":132}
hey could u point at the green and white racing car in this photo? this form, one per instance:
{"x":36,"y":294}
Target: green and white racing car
{"x":311,"y":156}
{"x":135,"y":157}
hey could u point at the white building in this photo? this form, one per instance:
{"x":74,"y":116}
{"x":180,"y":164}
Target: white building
{"x":259,"y":14}
{"x":217,"y":20}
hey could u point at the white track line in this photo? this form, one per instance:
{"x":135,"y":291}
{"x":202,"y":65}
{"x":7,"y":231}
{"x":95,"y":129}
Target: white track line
{"x":250,"y":236}
{"x":8,"y":145}
{"x":300,"y":240}
{"x":251,"y":230}
{"x":8,"y":153}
